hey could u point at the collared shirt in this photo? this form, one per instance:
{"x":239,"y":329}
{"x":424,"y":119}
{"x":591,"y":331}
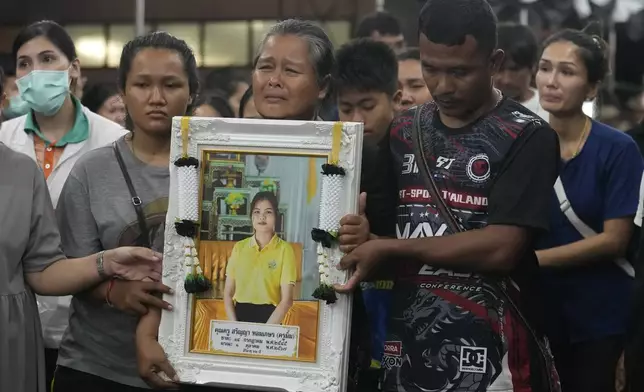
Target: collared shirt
{"x":260,"y":274}
{"x":48,"y":152}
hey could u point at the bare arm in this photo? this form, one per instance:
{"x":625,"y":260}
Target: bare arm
{"x":229,"y":292}
{"x":69,"y":276}
{"x":285,"y":304}
{"x":149,"y":323}
{"x":611,"y":244}
{"x":493,"y":248}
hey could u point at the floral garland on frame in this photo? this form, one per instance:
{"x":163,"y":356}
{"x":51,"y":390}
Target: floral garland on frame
{"x":187,"y":224}
{"x":326,"y":235}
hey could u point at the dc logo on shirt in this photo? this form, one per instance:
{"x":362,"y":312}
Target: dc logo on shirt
{"x":473,"y":359}
{"x":272,"y":264}
{"x":478,"y":168}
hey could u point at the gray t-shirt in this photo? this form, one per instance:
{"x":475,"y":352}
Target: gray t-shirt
{"x":95,"y":212}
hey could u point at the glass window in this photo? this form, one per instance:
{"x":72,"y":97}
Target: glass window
{"x":339,"y":31}
{"x":119,"y":35}
{"x":226,"y":44}
{"x":259,"y":28}
{"x":90,"y":44}
{"x":189,"y":32}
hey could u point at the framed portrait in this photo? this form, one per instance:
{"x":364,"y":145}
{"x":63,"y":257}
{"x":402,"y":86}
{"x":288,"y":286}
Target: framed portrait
{"x":251,"y":245}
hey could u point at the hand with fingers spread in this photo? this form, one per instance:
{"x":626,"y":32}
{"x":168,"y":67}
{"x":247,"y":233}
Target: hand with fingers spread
{"x":354,"y":229}
{"x":151,"y":361}
{"x":135,"y":297}
{"x":133,"y":263}
{"x":365,"y":258}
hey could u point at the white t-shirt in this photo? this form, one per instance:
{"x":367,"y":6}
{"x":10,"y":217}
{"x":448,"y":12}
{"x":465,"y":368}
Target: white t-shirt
{"x":533,"y":105}
{"x":640,"y":207}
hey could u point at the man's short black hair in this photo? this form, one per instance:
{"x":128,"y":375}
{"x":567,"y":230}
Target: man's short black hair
{"x":409,"y":54}
{"x":519,"y":44}
{"x":449,"y":22}
{"x":367,"y":65}
{"x":382,"y":22}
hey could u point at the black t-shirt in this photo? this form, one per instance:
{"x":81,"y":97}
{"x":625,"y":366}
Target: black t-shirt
{"x":454,"y":331}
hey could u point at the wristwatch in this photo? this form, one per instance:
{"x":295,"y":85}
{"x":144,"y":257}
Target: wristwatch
{"x":99,"y":265}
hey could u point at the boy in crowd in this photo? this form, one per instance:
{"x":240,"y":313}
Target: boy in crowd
{"x":410,"y":77}
{"x":514,"y":78}
{"x":367,"y":92}
{"x":383,"y":27}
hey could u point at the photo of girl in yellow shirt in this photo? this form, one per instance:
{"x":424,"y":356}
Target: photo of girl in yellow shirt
{"x":261,"y":272}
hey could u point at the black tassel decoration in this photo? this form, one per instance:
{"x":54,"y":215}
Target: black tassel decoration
{"x":323,"y":237}
{"x":187,"y":161}
{"x":186,"y":228}
{"x":329,"y":169}
{"x":326,"y":293}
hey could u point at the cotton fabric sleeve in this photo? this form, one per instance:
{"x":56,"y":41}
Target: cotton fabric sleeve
{"x":78,"y":228}
{"x":289,"y":270}
{"x":232,"y":261}
{"x":44,"y":246}
{"x":521,"y":194}
{"x":622,"y":181}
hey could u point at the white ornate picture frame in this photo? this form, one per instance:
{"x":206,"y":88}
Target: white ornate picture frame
{"x":339,"y":147}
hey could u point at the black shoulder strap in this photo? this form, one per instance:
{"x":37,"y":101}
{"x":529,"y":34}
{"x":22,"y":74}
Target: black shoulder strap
{"x":136,"y":200}
{"x":426,"y":174}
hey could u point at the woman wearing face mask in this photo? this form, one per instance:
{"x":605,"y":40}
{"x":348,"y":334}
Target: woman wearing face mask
{"x":158,"y":81}
{"x":587,"y":288}
{"x":55,"y":132}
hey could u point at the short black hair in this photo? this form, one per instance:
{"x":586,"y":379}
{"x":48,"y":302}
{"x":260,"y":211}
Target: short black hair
{"x":593,"y":51}
{"x":218,"y":101}
{"x":519,"y":44}
{"x":224,"y":79}
{"x":96,"y":95}
{"x":449,"y":22}
{"x":409,"y":54}
{"x":366,"y":65}
{"x":382,"y":22}
{"x":161,"y":40}
{"x":51,"y":30}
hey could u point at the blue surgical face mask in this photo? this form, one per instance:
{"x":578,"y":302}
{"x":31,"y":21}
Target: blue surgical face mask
{"x":17,"y":107}
{"x":44,"y":91}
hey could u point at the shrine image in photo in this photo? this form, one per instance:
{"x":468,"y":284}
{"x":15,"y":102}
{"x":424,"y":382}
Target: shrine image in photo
{"x":254,"y":245}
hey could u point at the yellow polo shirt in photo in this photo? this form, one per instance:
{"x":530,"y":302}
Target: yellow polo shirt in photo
{"x":260,"y":274}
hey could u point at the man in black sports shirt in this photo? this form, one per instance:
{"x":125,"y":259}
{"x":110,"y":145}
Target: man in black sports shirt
{"x":455,"y":323}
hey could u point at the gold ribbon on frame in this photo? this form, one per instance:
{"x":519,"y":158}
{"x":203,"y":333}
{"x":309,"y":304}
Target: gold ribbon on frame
{"x":336,"y":143}
{"x":334,"y":158}
{"x":185,"y":129}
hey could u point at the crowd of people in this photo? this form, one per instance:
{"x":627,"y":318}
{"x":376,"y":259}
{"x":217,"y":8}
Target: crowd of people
{"x":497,"y":252}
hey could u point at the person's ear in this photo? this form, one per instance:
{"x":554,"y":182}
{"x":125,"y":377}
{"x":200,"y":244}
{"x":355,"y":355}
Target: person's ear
{"x":325,"y":87}
{"x":397,"y":98}
{"x":496,"y":60}
{"x":592,"y":93}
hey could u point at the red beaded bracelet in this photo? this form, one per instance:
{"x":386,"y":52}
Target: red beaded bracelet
{"x":107,"y":295}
